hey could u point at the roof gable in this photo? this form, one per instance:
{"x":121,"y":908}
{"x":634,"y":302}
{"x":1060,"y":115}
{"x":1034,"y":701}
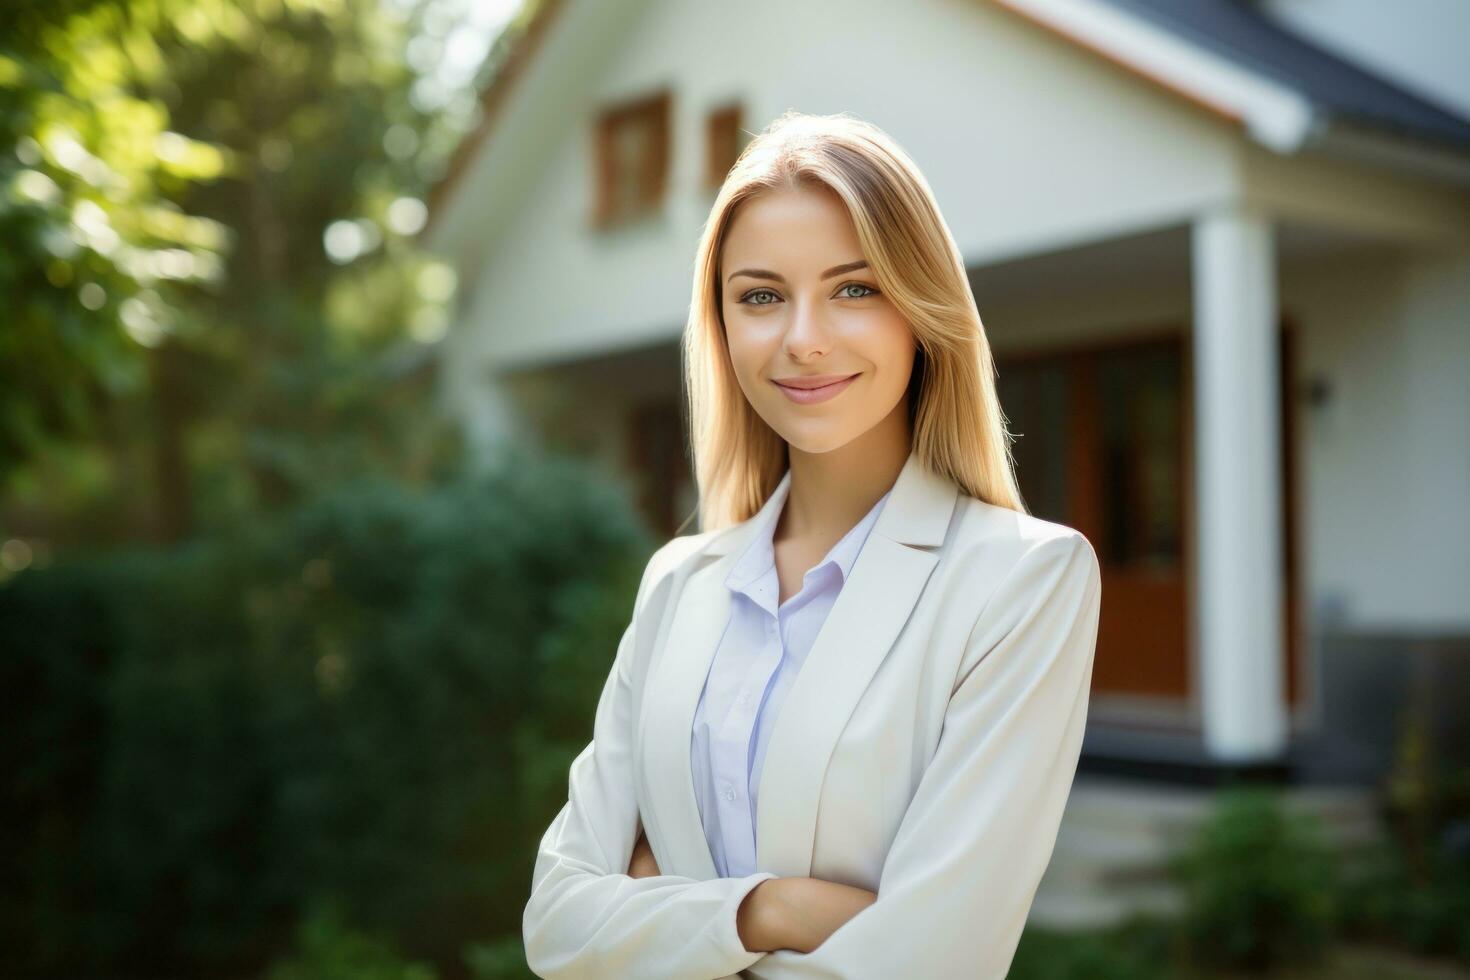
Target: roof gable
{"x":1286,"y":92}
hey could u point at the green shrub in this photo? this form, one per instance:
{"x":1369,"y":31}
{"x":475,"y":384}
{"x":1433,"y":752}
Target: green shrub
{"x":1258,"y":884}
{"x":329,"y":949}
{"x":499,"y":959}
{"x":1385,"y":900}
{"x":1142,"y":947}
{"x":1412,"y":888}
{"x":372,"y":699}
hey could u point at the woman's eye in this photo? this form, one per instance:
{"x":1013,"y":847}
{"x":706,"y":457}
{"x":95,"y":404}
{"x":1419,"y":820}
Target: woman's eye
{"x":749,"y":298}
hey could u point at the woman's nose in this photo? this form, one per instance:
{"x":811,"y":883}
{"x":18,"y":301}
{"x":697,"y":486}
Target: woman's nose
{"x":809,"y":331}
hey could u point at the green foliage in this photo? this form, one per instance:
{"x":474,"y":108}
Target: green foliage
{"x":330,"y":950}
{"x":354,"y":700}
{"x":95,"y":254}
{"x":171,"y":172}
{"x":1140,"y":948}
{"x":1412,"y":888}
{"x":1258,"y":883}
{"x":1383,"y":900}
{"x":501,"y":959}
{"x":1420,"y":903}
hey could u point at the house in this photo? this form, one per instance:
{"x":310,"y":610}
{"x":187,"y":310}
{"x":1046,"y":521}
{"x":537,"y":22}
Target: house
{"x":1225,"y":271}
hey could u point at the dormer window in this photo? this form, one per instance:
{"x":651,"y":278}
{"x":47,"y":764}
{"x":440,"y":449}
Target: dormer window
{"x":632,"y":154}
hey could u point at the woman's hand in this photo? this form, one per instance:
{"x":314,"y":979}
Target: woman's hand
{"x":642,"y":865}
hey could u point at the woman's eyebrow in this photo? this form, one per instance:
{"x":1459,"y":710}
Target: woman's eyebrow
{"x":836,"y":270}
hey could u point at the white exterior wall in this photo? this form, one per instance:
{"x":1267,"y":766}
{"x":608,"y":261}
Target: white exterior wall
{"x":1028,"y":144}
{"x":1386,"y":463}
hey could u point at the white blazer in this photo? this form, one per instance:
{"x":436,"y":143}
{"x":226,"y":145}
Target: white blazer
{"x":925,"y":752}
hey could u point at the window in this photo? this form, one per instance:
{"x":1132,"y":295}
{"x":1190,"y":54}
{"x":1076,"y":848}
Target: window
{"x":723,"y":143}
{"x":632,"y":151}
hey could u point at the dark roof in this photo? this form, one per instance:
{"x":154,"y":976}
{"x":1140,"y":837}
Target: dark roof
{"x":1236,"y":30}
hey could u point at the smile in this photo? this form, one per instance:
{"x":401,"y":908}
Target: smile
{"x":809,"y":396}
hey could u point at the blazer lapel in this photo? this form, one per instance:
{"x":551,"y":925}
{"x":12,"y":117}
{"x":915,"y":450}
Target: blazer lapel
{"x":675,"y":681}
{"x":871,"y":609}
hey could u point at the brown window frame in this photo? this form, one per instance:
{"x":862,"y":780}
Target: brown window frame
{"x":654,"y":110}
{"x":723,"y":142}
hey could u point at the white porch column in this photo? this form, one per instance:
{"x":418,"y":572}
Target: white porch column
{"x":1238,"y":478}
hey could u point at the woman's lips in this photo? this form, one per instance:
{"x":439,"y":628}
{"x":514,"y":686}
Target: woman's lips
{"x":810,"y":396}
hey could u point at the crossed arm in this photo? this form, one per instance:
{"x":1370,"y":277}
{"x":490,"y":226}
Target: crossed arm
{"x":783,"y":913}
{"x":962,"y":870}
{"x":959,"y":878}
{"x":586,"y":916}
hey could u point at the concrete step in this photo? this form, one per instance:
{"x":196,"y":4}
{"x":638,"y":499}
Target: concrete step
{"x":1117,"y":835}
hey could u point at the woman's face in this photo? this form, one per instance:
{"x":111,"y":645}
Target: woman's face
{"x":800,"y":304}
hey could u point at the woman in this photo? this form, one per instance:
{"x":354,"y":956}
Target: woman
{"x":840,"y":730}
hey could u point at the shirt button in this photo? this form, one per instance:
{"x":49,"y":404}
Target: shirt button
{"x":729,"y":794}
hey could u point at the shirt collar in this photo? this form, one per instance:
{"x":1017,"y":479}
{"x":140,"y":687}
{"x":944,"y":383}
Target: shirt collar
{"x":759,"y":555}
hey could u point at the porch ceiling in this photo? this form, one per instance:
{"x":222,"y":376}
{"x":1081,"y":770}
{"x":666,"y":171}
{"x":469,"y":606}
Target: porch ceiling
{"x":1158,"y":257}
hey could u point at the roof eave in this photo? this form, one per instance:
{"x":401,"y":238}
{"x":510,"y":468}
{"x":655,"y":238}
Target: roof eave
{"x":492,"y":105}
{"x":1351,"y":140}
{"x":1273,"y":114}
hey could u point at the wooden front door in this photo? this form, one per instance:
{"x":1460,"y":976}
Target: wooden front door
{"x":1104,"y":443}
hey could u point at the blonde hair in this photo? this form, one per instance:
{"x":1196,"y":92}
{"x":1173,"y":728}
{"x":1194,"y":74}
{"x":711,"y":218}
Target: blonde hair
{"x":954,"y":411}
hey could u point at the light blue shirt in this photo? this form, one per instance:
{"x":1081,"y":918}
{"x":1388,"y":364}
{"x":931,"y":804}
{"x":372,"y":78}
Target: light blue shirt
{"x":759,"y":655}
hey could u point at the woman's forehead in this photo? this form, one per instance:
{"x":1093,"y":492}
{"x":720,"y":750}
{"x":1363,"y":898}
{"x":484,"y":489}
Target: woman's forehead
{"x":797,"y":229}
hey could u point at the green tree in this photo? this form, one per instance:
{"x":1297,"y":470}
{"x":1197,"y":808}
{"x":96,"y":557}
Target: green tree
{"x":93,"y":247}
{"x":216,"y":302}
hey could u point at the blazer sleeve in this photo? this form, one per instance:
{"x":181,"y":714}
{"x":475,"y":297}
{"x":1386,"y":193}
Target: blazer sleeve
{"x":586,"y":916}
{"x":965,"y":862}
